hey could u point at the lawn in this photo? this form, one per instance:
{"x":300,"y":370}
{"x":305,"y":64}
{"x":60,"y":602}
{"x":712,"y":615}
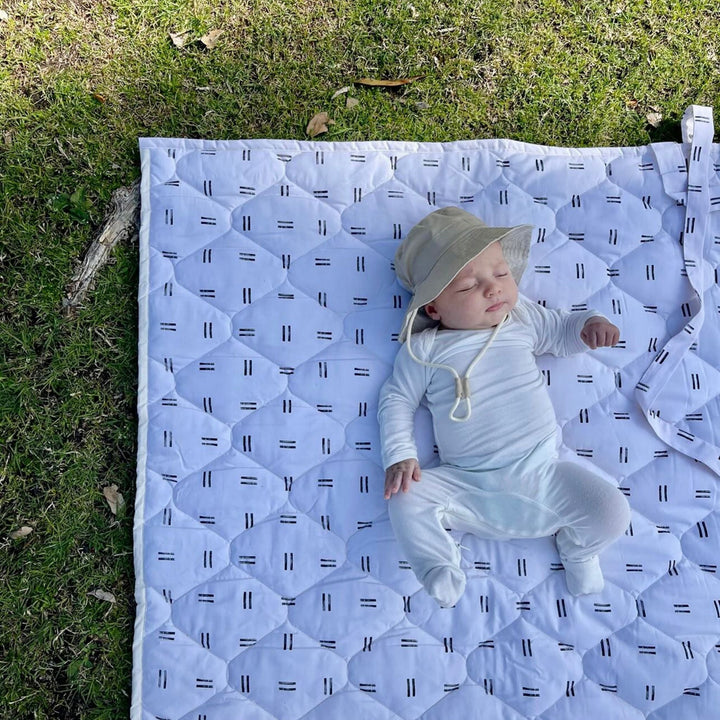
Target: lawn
{"x":81,"y":80}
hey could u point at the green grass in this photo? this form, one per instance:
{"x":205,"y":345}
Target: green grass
{"x":81,"y":80}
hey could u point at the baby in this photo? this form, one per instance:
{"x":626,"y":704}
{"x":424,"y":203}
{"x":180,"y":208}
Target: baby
{"x":468,"y":354}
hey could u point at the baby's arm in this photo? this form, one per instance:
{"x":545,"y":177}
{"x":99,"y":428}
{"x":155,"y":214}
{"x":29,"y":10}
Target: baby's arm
{"x":564,"y":333}
{"x":400,"y":397}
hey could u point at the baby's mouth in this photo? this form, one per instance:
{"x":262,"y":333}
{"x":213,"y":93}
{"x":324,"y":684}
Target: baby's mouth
{"x":496,"y":306}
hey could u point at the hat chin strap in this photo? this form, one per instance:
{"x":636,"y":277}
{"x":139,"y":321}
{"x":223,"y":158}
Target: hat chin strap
{"x":462,"y":384}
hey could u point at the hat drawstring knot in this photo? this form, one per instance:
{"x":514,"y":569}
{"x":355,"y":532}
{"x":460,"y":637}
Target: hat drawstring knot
{"x":462,"y":388}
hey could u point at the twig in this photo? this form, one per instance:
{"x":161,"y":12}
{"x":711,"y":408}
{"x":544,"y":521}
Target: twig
{"x":120,"y":225}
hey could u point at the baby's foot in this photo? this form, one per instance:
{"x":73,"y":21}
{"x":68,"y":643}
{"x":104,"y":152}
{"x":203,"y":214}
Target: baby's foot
{"x":584,"y":578}
{"x":445,"y":583}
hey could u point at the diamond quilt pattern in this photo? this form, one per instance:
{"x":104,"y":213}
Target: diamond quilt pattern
{"x":269,"y":583}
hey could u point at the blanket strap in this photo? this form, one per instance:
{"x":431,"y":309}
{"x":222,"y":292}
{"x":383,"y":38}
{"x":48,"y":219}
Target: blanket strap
{"x":697,"y":128}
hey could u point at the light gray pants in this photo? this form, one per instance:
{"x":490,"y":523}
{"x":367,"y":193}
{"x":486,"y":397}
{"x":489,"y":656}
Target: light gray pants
{"x":536,"y":496}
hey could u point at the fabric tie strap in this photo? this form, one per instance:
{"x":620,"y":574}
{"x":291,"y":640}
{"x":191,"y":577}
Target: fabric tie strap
{"x":697,"y":127}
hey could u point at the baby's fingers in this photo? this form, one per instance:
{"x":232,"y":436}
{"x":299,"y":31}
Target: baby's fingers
{"x":408,"y":477}
{"x":608,"y":338}
{"x":589,"y":338}
{"x":597,"y":335}
{"x":393,"y":483}
{"x":396,"y":480}
{"x":400,"y":477}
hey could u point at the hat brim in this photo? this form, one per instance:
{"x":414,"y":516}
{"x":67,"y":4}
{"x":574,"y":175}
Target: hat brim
{"x":515,"y":243}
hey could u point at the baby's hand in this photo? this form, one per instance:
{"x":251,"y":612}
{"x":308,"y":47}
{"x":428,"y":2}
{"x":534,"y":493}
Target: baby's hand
{"x":598,"y":332}
{"x":399,"y":475}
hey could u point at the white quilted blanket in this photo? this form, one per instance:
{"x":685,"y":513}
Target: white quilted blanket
{"x":269,"y":583}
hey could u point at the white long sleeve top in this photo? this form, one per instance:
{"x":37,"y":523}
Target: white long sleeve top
{"x":512,"y":411}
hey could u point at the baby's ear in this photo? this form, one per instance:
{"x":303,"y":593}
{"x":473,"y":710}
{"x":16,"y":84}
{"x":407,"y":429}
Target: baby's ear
{"x":431,"y":311}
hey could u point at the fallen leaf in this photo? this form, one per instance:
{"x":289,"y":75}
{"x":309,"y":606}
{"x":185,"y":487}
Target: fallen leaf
{"x":319,"y":124}
{"x":4,"y":16}
{"x":654,"y":119}
{"x":210,"y":39}
{"x":103,"y":595}
{"x":114,"y":498}
{"x":24,"y":531}
{"x":388,"y":83}
{"x":351,"y":103}
{"x":99,"y":97}
{"x":341,"y":91}
{"x":631,"y":104}
{"x":179,"y":39}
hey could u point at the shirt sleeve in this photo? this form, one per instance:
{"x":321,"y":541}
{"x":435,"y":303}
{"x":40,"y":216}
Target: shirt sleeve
{"x":556,"y":331}
{"x":400,"y":397}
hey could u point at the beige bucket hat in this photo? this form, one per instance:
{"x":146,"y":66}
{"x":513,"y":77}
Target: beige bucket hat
{"x":439,"y":246}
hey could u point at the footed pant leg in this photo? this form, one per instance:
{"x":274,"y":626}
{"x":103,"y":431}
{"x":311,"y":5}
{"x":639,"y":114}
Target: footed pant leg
{"x":594,"y":514}
{"x":417,"y":519}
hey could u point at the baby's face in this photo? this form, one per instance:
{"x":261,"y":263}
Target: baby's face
{"x":479,"y":296}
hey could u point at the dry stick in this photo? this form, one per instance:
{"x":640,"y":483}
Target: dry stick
{"x":120,"y":225}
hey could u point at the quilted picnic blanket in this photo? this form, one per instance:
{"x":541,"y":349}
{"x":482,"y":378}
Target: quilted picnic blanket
{"x":269,"y":583}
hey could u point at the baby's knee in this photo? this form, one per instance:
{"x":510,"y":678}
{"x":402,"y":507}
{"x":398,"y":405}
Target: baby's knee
{"x":445,"y":584}
{"x":624,"y":513}
{"x":605,"y":507}
{"x":614,"y":514}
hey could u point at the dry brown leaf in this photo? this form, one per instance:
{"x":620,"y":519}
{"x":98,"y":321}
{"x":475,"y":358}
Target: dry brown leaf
{"x":210,"y":39}
{"x":351,"y":103}
{"x":103,"y":595}
{"x":319,"y":124}
{"x":388,"y":83}
{"x":114,"y":498}
{"x":654,"y":119}
{"x":22,"y":532}
{"x":99,"y":97}
{"x":180,"y":39}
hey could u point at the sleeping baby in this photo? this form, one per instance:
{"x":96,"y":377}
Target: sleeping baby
{"x":469,"y":346}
